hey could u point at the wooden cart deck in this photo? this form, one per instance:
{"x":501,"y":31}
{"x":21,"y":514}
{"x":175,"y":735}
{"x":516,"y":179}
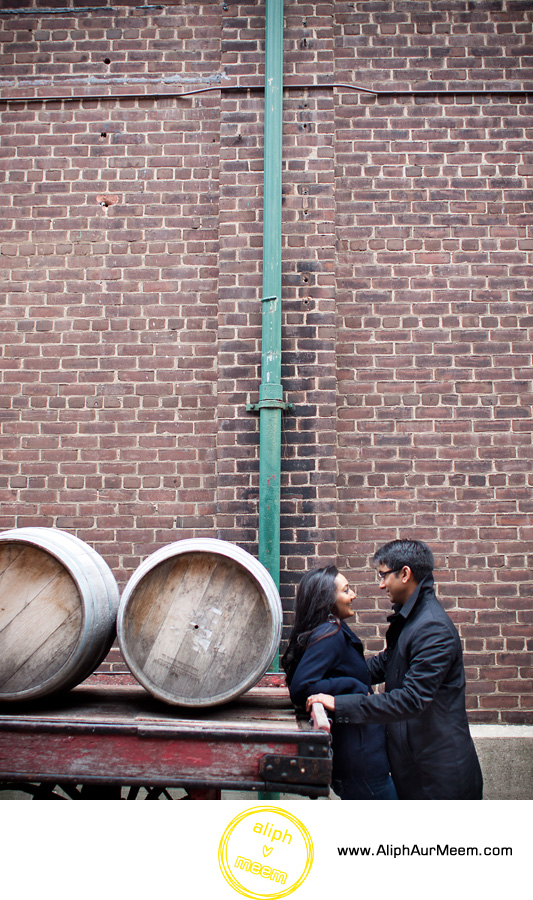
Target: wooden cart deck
{"x":120,"y":735}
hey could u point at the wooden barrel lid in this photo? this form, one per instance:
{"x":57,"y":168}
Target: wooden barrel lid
{"x":41,"y":617}
{"x":200,"y":622}
{"x":58,"y":607}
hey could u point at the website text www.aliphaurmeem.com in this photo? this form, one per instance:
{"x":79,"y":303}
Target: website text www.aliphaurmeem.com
{"x":396,"y":851}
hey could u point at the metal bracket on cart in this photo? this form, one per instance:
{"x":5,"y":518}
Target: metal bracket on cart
{"x":311,"y":766}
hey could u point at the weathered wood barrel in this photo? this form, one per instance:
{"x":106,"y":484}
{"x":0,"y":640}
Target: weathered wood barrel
{"x":58,"y":607}
{"x":199,"y":622}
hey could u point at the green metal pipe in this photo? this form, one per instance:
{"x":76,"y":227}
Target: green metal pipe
{"x":270,"y":391}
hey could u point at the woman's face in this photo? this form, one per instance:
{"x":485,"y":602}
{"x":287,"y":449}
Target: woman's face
{"x":343,"y":598}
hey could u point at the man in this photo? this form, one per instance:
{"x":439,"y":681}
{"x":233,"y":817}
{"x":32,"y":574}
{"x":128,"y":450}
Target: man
{"x":431,"y":752}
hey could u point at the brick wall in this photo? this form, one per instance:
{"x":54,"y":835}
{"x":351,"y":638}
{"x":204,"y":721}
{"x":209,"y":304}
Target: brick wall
{"x":131,"y":256}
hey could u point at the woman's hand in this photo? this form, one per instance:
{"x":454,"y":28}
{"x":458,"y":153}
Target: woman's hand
{"x":327,"y":701}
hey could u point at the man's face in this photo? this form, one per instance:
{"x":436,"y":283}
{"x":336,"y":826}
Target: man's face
{"x":397,"y":585}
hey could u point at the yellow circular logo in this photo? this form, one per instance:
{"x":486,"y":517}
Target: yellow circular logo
{"x":265,"y":852}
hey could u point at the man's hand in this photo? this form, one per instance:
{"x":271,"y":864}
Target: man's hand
{"x":327,"y":701}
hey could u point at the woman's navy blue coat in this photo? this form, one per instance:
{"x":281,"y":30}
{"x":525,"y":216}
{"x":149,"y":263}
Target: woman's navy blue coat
{"x":333,"y":663}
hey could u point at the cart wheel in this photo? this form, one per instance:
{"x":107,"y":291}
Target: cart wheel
{"x":152,"y":793}
{"x":85,"y":791}
{"x":37,"y":791}
{"x":202,"y":794}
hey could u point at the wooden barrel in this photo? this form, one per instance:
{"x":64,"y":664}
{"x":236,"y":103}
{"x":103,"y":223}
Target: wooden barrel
{"x":199,"y":622}
{"x":58,"y":607}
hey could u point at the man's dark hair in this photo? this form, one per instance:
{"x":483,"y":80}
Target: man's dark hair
{"x":397,"y":554}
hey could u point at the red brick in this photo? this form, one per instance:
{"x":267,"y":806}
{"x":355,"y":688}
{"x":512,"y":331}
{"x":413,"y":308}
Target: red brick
{"x":132,"y":331}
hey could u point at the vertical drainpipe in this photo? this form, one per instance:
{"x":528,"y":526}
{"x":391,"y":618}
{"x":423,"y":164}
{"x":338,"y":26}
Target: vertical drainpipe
{"x":270,"y":391}
{"x":271,"y":403}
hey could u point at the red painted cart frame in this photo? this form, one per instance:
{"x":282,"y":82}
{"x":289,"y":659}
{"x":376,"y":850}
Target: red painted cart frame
{"x":107,"y":737}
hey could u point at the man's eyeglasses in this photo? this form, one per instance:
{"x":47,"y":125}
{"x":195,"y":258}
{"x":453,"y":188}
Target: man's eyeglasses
{"x":382,"y":575}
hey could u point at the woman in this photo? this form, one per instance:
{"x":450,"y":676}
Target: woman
{"x":325,"y":656}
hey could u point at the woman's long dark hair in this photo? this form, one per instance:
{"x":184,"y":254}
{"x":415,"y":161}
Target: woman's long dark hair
{"x":315,"y":602}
